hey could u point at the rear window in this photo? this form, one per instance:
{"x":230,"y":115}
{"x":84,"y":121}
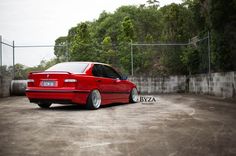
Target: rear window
{"x":72,"y":67}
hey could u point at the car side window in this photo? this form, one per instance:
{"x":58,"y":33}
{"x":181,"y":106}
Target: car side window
{"x":97,"y":70}
{"x":110,"y":72}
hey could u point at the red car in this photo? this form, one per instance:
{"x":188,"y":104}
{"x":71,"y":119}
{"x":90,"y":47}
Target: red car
{"x":88,"y":83}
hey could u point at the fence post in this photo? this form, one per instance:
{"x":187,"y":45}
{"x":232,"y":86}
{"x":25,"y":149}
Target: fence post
{"x":0,"y":54}
{"x":13,"y":50}
{"x":132,"y":59}
{"x":209,"y":61}
{"x":67,"y":51}
{"x":209,"y":53}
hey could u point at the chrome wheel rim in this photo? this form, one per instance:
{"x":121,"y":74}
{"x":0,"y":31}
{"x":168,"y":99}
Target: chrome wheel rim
{"x":96,"y":99}
{"x":135,"y":95}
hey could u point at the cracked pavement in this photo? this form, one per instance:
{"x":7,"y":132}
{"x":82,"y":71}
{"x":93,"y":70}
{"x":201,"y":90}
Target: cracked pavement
{"x":175,"y":125}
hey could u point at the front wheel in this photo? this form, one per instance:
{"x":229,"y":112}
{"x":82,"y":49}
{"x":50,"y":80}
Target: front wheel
{"x":94,"y":100}
{"x":44,"y":104}
{"x":134,"y":97}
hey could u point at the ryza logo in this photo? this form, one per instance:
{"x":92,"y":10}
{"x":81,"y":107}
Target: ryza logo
{"x":147,"y":99}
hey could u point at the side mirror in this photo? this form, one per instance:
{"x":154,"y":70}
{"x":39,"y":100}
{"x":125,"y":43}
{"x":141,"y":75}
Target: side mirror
{"x":124,"y":77}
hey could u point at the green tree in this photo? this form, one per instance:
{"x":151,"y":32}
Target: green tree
{"x":177,"y":27}
{"x":20,"y":72}
{"x":153,"y":4}
{"x":128,"y":29}
{"x":81,"y":44}
{"x":223,"y":28}
{"x":108,"y":54}
{"x":190,"y":59}
{"x":60,"y":49}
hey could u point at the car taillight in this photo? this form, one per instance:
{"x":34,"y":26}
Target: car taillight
{"x":70,"y":82}
{"x":30,"y":82}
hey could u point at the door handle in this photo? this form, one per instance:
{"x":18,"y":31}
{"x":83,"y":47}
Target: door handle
{"x":116,"y":81}
{"x":98,"y":80}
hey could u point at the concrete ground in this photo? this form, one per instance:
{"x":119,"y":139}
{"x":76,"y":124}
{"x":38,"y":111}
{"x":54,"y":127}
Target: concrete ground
{"x":176,"y":125}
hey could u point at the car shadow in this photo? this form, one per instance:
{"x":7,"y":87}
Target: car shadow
{"x":66,"y":107}
{"x":75,"y":107}
{"x":113,"y":105}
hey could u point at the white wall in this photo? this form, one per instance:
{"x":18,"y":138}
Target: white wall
{"x":218,"y":84}
{"x":150,"y":85}
{"x":5,"y":83}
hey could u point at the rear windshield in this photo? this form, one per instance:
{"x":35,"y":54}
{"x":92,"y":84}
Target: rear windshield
{"x":72,"y":67}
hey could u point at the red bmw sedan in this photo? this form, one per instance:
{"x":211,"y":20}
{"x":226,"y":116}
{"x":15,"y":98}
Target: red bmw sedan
{"x":88,"y":83}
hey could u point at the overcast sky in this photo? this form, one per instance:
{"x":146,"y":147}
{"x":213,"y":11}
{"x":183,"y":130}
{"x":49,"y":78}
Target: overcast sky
{"x":37,"y":22}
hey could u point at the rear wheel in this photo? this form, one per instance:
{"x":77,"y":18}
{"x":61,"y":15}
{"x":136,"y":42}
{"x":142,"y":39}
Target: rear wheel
{"x":133,"y":97}
{"x":94,"y":100}
{"x":44,"y":104}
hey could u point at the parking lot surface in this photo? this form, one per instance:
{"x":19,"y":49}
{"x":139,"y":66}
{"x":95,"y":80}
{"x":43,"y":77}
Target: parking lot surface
{"x":175,"y":125}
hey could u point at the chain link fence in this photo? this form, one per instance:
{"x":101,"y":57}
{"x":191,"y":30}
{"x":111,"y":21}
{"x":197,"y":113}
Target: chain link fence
{"x":161,"y":59}
{"x":6,"y":58}
{"x":135,"y":59}
{"x":156,"y":59}
{"x":6,"y":66}
{"x":16,"y":61}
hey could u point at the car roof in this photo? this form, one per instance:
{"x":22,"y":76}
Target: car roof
{"x":88,"y":62}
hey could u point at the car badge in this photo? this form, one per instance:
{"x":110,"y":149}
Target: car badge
{"x":47,"y":75}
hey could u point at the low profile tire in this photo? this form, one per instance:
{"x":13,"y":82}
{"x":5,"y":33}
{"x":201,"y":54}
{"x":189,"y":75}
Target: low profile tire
{"x":94,"y":100}
{"x":44,"y":104}
{"x":134,"y":97}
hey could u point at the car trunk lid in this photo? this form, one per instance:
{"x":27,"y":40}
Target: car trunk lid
{"x":50,"y":79}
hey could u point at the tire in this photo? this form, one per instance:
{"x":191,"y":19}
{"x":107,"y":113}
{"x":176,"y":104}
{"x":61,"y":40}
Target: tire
{"x":94,"y":100}
{"x":44,"y":104}
{"x":133,"y":97}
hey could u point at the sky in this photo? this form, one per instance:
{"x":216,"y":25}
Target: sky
{"x":41,"y":22}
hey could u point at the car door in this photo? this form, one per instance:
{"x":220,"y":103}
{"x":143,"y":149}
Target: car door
{"x":102,"y":82}
{"x":117,"y":86}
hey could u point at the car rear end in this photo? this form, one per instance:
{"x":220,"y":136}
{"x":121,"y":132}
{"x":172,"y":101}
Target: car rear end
{"x":56,"y":87}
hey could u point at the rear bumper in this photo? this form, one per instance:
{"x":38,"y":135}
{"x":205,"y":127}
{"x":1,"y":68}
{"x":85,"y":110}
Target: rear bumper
{"x":58,"y":96}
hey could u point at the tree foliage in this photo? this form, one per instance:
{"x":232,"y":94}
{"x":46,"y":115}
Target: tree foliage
{"x":108,"y":38}
{"x":22,"y":71}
